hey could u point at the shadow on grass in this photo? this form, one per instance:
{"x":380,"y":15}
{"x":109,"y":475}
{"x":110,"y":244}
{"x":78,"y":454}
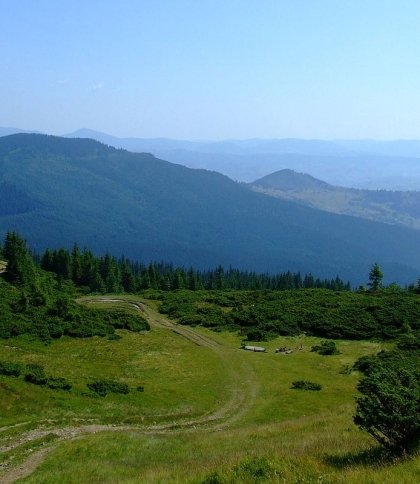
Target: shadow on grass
{"x":374,"y":457}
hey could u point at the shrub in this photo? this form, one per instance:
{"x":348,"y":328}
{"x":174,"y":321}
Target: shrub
{"x":326,"y":348}
{"x":365,"y":363}
{"x":306,"y":385}
{"x":257,"y":335}
{"x":114,"y":337}
{"x":123,"y":320}
{"x":409,"y":342}
{"x":35,"y":374}
{"x":388,"y":407}
{"x":10,"y":369}
{"x":103,"y":387}
{"x":58,"y":384}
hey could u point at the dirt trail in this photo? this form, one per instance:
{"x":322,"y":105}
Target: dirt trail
{"x":26,"y":468}
{"x":243,"y":391}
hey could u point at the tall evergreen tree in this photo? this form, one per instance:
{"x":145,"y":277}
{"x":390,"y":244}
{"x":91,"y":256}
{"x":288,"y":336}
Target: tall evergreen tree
{"x":375,"y":277}
{"x":20,"y":265}
{"x":76,"y":264}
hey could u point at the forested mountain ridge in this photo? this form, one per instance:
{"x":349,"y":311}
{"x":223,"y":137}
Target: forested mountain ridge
{"x":135,"y":204}
{"x":393,"y":207}
{"x":369,"y":164}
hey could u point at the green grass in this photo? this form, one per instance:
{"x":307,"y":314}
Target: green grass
{"x":173,"y":372}
{"x":312,"y":450}
{"x":288,"y":435}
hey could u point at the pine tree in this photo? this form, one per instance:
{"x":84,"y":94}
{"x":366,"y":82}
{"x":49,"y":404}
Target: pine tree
{"x":20,"y":266}
{"x":375,"y":277}
{"x":76,"y":265}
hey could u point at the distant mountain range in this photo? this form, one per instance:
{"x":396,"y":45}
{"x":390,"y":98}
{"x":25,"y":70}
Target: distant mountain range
{"x":310,"y":147}
{"x":369,"y":164}
{"x":59,"y":190}
{"x":393,"y":207}
{"x":4,"y":131}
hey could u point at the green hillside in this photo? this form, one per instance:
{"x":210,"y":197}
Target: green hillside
{"x":393,"y":207}
{"x":149,"y":209}
{"x":145,"y":397}
{"x":206,"y":410}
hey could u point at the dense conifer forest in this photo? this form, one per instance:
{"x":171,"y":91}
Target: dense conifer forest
{"x":152,"y":210}
{"x":109,"y":274}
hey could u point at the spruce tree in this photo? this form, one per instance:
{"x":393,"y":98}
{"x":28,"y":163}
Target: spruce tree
{"x":375,"y":277}
{"x":20,"y":266}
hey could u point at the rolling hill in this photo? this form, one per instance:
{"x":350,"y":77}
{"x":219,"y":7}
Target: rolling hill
{"x":145,"y":208}
{"x":363,"y":164}
{"x":369,"y":164}
{"x":395,"y":207}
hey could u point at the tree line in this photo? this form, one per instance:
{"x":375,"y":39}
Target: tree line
{"x":36,"y":302}
{"x":110,"y":274}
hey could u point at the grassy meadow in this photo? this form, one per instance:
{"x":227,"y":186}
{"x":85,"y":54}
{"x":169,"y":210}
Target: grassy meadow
{"x":209,"y":413}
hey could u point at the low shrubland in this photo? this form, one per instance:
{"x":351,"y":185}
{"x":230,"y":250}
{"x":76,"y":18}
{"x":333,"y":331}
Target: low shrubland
{"x":325,"y":313}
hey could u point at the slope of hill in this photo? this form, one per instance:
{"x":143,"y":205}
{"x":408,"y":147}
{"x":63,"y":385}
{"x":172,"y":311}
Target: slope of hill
{"x":359,"y":171}
{"x":146,"y":208}
{"x":392,"y":165}
{"x":367,"y":164}
{"x":393,"y":207}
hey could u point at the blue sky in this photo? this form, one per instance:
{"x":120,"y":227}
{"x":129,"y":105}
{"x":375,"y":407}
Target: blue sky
{"x":212,"y":69}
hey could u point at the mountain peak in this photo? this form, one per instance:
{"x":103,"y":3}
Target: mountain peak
{"x":291,"y":180}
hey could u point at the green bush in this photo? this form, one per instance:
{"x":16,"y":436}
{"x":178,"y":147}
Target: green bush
{"x":318,"y":312}
{"x":326,"y":348}
{"x":257,"y":335}
{"x":388,"y":407}
{"x":35,"y":374}
{"x":59,"y":384}
{"x":114,"y":337}
{"x":306,"y":385}
{"x":409,"y":342}
{"x":103,"y":387}
{"x":365,"y":363}
{"x":8,"y":368}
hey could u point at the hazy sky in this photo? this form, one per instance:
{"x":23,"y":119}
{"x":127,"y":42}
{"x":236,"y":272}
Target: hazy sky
{"x":212,"y":69}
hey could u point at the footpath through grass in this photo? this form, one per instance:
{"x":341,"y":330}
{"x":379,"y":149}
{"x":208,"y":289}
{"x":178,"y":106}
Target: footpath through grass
{"x":280,"y":434}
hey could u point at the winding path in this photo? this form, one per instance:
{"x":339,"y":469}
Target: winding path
{"x":244,"y":388}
